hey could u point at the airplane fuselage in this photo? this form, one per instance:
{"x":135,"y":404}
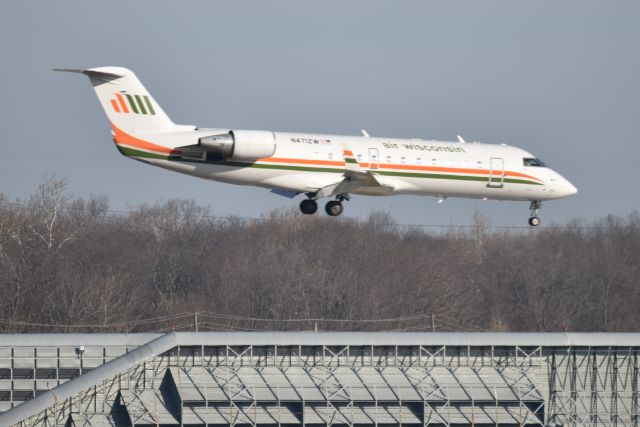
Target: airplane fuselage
{"x":303,"y":163}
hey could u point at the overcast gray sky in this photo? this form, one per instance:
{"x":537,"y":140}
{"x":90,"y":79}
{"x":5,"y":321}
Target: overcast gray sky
{"x":558,"y":78}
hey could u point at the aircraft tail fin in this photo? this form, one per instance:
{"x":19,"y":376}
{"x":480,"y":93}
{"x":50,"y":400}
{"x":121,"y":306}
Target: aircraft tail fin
{"x":127,"y":103}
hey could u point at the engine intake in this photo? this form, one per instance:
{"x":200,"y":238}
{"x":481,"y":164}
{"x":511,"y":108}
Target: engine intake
{"x":240,"y":144}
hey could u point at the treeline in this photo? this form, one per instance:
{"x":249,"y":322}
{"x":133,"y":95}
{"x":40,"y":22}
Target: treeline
{"x":66,"y":261}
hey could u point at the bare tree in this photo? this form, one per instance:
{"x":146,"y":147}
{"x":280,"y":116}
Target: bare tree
{"x":71,"y":262}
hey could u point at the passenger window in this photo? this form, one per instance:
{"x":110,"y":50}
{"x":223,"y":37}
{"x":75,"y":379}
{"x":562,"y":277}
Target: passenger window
{"x":419,"y":160}
{"x":530,"y":161}
{"x":330,"y":156}
{"x":402,"y":160}
{"x":388,"y":159}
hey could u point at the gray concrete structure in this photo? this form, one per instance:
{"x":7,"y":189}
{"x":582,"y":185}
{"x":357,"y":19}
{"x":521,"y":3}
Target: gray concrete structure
{"x":319,"y":378}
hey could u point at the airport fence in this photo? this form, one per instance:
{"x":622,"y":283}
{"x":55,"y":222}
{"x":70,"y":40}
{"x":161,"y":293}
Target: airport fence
{"x":206,"y":321}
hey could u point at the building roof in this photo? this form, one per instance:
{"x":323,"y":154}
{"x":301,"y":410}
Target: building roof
{"x":142,"y":347}
{"x":108,"y":370}
{"x":480,"y":339}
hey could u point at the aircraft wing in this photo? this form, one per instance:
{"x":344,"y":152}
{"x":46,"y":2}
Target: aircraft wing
{"x":350,"y":183}
{"x":355,"y":177}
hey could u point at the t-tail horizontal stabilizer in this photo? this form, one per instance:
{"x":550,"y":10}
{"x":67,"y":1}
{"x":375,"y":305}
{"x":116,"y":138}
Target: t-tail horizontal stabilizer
{"x":97,"y":77}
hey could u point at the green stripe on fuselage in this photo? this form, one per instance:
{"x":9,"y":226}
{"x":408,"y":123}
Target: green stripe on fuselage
{"x":458,"y":177}
{"x":143,"y":154}
{"x":132,"y":152}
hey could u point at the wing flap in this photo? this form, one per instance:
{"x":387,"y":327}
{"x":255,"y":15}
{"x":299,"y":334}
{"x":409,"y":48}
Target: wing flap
{"x":355,"y":177}
{"x":350,"y":183}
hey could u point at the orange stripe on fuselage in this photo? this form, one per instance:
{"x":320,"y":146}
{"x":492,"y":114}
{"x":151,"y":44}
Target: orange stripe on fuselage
{"x":301,"y":161}
{"x":122,"y":137}
{"x":522,"y":175}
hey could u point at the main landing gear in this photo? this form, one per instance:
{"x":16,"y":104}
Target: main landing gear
{"x":535,"y":206}
{"x":308,"y":206}
{"x":332,"y":208}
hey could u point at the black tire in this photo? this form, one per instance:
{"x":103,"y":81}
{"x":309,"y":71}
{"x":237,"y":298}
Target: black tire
{"x":308,"y":207}
{"x":333,"y":208}
{"x":534,"y":221}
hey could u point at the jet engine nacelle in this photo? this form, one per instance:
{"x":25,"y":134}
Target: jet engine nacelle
{"x":241,"y":144}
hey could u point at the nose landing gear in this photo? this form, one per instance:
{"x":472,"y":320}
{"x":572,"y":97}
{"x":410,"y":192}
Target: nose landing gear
{"x":535,"y":206}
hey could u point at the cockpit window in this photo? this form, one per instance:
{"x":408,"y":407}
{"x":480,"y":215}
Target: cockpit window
{"x":533,"y":162}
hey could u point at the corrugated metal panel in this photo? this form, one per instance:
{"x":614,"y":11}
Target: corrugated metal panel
{"x":147,"y":406}
{"x":481,"y":414}
{"x":384,"y":414}
{"x":94,"y":420}
{"x":364,"y":384}
{"x":75,"y":340}
{"x":221,"y":415}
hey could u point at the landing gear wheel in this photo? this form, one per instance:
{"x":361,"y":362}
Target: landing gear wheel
{"x":333,"y":208}
{"x":308,"y":206}
{"x":535,"y":206}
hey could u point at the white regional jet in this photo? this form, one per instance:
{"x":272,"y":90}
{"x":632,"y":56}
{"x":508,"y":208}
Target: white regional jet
{"x":320,"y":166}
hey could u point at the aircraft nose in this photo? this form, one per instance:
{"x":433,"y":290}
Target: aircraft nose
{"x":567,"y":188}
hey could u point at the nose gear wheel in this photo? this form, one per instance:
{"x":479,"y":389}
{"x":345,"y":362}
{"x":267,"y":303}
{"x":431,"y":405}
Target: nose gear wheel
{"x":534,"y":220}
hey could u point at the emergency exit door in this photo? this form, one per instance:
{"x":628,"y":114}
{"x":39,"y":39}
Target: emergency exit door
{"x":496,"y":173}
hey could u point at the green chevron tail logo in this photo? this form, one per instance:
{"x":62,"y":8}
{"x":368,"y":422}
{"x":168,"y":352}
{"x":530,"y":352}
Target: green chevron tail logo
{"x":137,"y":104}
